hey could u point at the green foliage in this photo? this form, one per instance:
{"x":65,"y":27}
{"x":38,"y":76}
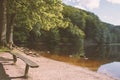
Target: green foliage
{"x":20,"y":34}
{"x":86,"y":22}
{"x":103,"y":35}
{"x":52,"y":37}
{"x":46,"y":12}
{"x":92,"y":26}
{"x":36,"y":31}
{"x":76,"y":31}
{"x":54,"y":23}
{"x":76,"y":16}
{"x":114,"y":31}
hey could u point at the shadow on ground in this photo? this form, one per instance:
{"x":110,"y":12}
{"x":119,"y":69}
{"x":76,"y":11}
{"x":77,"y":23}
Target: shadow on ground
{"x":3,"y":75}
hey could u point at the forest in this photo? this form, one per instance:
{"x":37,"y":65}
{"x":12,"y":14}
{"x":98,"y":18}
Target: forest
{"x":51,"y":23}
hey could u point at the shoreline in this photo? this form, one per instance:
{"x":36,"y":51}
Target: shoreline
{"x":50,"y":70}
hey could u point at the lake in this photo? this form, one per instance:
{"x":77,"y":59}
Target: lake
{"x":109,"y":52}
{"x":103,"y":52}
{"x":97,"y":55}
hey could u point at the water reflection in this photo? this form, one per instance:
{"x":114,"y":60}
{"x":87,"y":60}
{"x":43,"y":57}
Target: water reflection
{"x":66,"y":50}
{"x":95,"y":52}
{"x":103,"y":52}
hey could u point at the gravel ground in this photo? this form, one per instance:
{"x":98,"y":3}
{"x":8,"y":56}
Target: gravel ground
{"x":48,"y":70}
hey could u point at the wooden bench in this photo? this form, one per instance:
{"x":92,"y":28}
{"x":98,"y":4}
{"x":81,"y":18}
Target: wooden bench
{"x":28,"y":62}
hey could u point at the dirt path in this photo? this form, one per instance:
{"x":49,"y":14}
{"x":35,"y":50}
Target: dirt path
{"x":48,"y":70}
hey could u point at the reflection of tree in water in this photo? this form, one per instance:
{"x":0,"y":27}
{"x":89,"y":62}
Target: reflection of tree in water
{"x":74,"y":50}
{"x":114,"y":52}
{"x":96,"y":51}
{"x":78,"y":51}
{"x":105,"y":52}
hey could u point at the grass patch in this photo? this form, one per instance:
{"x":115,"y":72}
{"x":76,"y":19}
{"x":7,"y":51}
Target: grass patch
{"x":3,"y":49}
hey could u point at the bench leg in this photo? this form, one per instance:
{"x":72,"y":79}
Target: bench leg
{"x":14,"y":58}
{"x":26,"y":70}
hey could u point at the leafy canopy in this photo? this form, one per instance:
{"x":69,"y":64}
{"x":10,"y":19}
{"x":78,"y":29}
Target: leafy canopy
{"x":30,"y":12}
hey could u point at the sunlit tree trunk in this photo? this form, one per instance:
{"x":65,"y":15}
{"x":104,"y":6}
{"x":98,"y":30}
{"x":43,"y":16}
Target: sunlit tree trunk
{"x":3,"y":23}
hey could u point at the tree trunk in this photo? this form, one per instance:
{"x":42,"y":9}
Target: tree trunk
{"x":1,"y":14}
{"x":10,"y":28}
{"x":3,"y":22}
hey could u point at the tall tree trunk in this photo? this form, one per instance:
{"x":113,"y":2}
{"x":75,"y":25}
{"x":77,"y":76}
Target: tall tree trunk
{"x":1,"y":14}
{"x":3,"y":23}
{"x":10,"y":28}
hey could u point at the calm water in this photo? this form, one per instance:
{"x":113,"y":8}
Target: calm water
{"x":106,"y":52}
{"x":94,"y":52}
{"x":96,"y":55}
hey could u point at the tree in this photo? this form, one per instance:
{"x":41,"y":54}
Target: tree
{"x":3,"y":22}
{"x":28,"y":12}
{"x":77,"y":16}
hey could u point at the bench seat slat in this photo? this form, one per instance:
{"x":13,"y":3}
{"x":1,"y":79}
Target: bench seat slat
{"x":27,"y":61}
